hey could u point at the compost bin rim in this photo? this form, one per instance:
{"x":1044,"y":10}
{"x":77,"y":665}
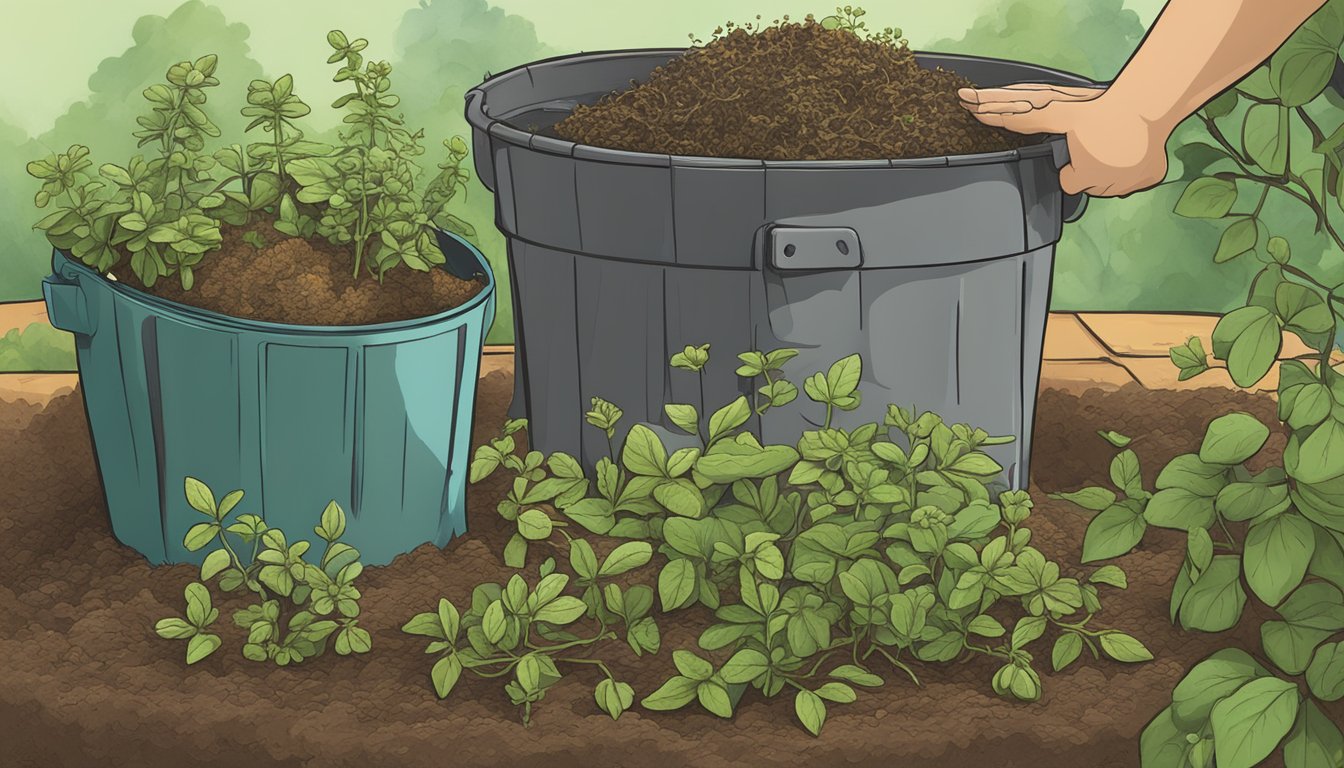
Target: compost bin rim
{"x":63,"y":264}
{"x":477,"y":116}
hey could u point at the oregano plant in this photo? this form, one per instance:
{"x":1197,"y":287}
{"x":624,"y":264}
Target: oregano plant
{"x":161,"y":213}
{"x":828,"y":565}
{"x":1273,"y":536}
{"x":298,"y":606}
{"x":1268,"y":536}
{"x":151,"y":211}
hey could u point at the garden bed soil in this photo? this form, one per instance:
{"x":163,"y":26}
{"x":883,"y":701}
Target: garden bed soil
{"x":790,"y":91}
{"x":86,"y":682}
{"x":308,"y":282}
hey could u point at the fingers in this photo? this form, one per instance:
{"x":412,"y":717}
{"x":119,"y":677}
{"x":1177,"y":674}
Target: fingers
{"x":1070,"y":182}
{"x":1012,"y":106}
{"x":1034,"y":94}
{"x":999,"y":107}
{"x":1029,"y":121}
{"x":1073,"y":182}
{"x":1070,"y":92}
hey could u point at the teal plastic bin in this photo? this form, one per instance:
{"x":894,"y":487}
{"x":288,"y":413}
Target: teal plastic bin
{"x":377,"y":417}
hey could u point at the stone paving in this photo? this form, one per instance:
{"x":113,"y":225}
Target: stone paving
{"x":1107,"y":350}
{"x":1083,"y":350}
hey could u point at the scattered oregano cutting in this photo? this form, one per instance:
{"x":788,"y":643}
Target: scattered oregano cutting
{"x":828,"y":564}
{"x":1231,"y":706}
{"x":816,"y":90}
{"x":275,"y":571}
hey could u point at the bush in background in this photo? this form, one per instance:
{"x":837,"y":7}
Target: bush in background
{"x":39,"y":347}
{"x":190,"y":31}
{"x":450,"y":46}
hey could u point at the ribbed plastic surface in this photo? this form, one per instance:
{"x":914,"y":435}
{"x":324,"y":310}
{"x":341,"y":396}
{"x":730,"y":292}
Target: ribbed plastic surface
{"x":376,"y":417}
{"x":936,"y":270}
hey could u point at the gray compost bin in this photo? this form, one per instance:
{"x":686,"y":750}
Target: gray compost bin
{"x":937,"y":271}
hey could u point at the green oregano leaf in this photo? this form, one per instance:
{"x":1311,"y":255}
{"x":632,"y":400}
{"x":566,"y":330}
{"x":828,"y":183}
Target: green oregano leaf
{"x":1314,"y":740}
{"x":1276,"y":555}
{"x":728,"y":418}
{"x":1325,"y":674}
{"x":1215,"y":599}
{"x":1114,"y":438}
{"x":1123,"y":647}
{"x":1249,"y":339}
{"x":1239,"y":238}
{"x":811,"y":711}
{"x":1113,"y":533}
{"x":613,"y":697}
{"x":1094,"y":498}
{"x":626,"y":557}
{"x":1250,"y":723}
{"x":676,"y":693}
{"x":677,"y":584}
{"x":1232,"y":439}
{"x":1068,"y":647}
{"x":1265,"y":137}
{"x":1207,"y":198}
{"x":1111,"y":575}
{"x":684,"y":417}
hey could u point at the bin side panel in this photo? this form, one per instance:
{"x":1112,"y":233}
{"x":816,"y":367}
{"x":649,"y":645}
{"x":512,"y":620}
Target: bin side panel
{"x":906,"y":217}
{"x":621,"y":347}
{"x":1041,"y":201}
{"x":116,"y":397}
{"x":1037,"y":267}
{"x":817,"y":313}
{"x":911,"y":320}
{"x":960,"y":339}
{"x":459,"y":395}
{"x":718,"y":211}
{"x":308,"y":434}
{"x":813,"y":308}
{"x":988,"y":344}
{"x":200,"y":396}
{"x":690,"y":293}
{"x":408,"y":398}
{"x":545,"y":207}
{"x":485,"y":168}
{"x":547,"y":356}
{"x":518,"y":405}
{"x":505,"y":219}
{"x":625,"y":211}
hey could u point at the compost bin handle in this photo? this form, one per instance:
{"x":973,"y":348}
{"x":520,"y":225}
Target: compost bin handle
{"x":1074,"y":205}
{"x":813,"y":248}
{"x":67,"y":307}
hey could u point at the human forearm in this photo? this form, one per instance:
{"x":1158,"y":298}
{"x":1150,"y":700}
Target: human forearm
{"x":1197,"y":48}
{"x":1117,"y":136}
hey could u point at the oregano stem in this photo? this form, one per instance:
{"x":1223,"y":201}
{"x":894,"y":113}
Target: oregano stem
{"x":899,"y":665}
{"x":1264,"y":194}
{"x":1231,"y":540}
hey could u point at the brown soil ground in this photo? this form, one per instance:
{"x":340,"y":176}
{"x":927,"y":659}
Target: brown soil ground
{"x":292,"y":280}
{"x":86,"y":682}
{"x":792,"y":91}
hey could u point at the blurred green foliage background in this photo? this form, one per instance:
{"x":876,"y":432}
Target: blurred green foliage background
{"x":96,"y":57}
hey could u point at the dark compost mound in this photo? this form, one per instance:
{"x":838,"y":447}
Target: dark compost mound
{"x":792,"y":91}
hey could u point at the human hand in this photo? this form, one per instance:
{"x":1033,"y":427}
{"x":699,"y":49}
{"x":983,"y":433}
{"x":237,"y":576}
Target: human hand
{"x":1113,"y":149}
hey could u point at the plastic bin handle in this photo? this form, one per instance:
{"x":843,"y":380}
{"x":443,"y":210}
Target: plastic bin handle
{"x":66,"y":306}
{"x":814,"y":248}
{"x":1074,"y":205}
